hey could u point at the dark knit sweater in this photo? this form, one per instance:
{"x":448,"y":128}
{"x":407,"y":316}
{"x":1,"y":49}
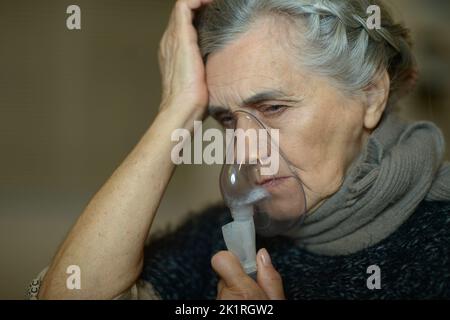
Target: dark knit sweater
{"x":414,"y":261}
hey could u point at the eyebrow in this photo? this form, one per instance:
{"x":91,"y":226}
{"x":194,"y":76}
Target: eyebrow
{"x":254,"y":99}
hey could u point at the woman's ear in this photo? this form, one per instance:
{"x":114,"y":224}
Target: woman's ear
{"x":376,"y":97}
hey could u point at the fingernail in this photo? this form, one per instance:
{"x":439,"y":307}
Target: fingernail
{"x":265,"y":258}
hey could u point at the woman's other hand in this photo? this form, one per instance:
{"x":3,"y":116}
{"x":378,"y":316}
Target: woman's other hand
{"x":182,"y":69}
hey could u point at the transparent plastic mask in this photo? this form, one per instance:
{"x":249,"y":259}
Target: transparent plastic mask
{"x":257,"y":179}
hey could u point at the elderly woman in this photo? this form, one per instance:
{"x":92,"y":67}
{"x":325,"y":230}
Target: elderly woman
{"x":377,"y":190}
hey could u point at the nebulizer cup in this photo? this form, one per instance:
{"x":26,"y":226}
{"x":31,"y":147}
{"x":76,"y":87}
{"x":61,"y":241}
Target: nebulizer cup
{"x":260,"y":187}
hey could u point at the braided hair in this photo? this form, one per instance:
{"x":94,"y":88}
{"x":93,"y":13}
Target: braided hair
{"x":339,"y":42}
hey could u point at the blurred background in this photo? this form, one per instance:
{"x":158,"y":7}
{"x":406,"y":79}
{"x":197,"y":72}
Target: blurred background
{"x":74,"y":103}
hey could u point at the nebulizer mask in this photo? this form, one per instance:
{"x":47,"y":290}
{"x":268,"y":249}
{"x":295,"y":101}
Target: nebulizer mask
{"x":260,"y":187}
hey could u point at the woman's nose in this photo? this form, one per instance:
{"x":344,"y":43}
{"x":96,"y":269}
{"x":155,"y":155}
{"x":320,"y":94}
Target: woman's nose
{"x":249,"y":140}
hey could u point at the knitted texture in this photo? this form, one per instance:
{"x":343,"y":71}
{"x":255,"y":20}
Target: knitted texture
{"x":414,"y":261}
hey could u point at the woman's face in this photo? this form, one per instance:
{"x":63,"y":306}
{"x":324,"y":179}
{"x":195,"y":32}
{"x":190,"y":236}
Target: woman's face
{"x":321,"y":129}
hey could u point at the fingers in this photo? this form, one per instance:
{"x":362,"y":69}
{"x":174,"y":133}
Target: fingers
{"x":234,"y":284}
{"x":184,"y":10}
{"x":268,"y":278}
{"x":229,"y":269}
{"x":181,"y":64}
{"x":220,"y":286}
{"x":194,"y":4}
{"x":180,"y":23}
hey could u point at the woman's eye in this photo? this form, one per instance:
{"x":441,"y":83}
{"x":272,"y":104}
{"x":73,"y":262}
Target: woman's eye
{"x":226,"y":121}
{"x":272,"y":109}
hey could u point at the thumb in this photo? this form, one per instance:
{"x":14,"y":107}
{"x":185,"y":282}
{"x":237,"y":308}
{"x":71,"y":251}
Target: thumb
{"x":268,"y":278}
{"x":229,"y":269}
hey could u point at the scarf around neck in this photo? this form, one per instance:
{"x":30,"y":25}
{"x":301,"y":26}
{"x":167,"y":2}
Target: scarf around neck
{"x":400,"y":166}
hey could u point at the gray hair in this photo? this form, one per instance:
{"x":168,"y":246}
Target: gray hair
{"x":340,"y":44}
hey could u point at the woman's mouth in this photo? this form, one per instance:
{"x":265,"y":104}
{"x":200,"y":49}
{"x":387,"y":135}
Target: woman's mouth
{"x":272,"y":182}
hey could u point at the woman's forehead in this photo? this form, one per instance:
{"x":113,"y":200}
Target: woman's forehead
{"x":255,"y":88}
{"x":251,"y":56}
{"x":252,"y":65}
